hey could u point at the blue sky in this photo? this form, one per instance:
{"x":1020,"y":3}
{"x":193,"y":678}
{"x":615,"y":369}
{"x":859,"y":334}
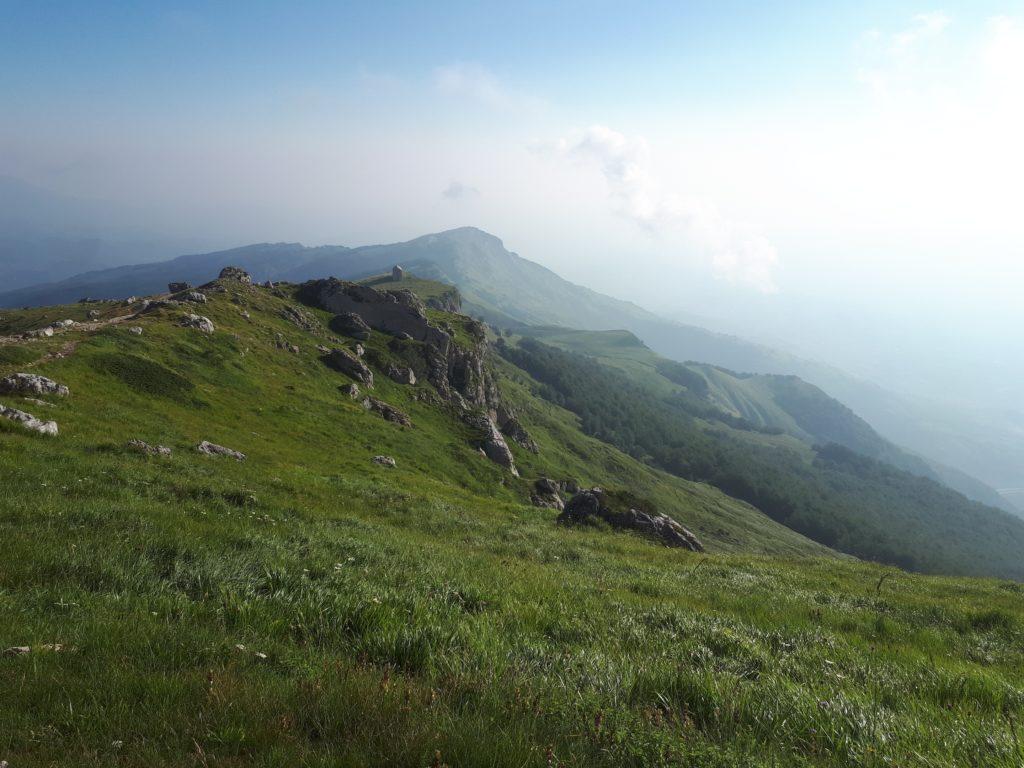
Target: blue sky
{"x":735,"y":155}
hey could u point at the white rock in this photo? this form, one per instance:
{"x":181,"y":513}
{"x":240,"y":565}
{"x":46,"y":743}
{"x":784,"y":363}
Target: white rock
{"x":212,"y":449}
{"x":198,"y":322}
{"x":29,"y":421}
{"x":32,"y":384}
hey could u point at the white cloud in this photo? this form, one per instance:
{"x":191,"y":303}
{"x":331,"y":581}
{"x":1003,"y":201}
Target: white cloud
{"x":459,"y":191}
{"x":923,"y":27}
{"x":473,"y":81}
{"x":625,"y":163}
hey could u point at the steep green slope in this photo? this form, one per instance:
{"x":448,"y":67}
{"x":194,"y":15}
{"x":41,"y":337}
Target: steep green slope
{"x":310,"y":607}
{"x":851,"y":502}
{"x":777,"y":402}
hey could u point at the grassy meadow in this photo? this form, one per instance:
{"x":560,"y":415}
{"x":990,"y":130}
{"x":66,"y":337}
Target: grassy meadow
{"x":309,"y":607}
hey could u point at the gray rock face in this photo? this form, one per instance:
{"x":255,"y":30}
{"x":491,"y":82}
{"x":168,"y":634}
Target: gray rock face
{"x":350,"y":365}
{"x":490,"y":440}
{"x":235,"y":273}
{"x":178,"y":287}
{"x":29,"y":421}
{"x":350,"y":324}
{"x":401,"y":375}
{"x":596,"y":503}
{"x":198,"y":322}
{"x":195,"y":297}
{"x":508,"y":422}
{"x":150,"y":450}
{"x":212,"y":449}
{"x":546,"y":494}
{"x":388,"y":412}
{"x":31,"y":384}
{"x":385,"y":461}
{"x":392,"y":312}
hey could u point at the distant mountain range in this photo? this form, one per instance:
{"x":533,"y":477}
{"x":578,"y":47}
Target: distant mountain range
{"x":512,"y":292}
{"x":45,"y":236}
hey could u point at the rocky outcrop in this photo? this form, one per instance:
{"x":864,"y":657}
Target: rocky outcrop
{"x":212,"y":449}
{"x":31,"y":384}
{"x":195,"y":297}
{"x":388,"y":412}
{"x":350,"y":324}
{"x":198,"y":322}
{"x":392,"y":312}
{"x":352,"y":390}
{"x":235,"y":273}
{"x":490,"y":441}
{"x":178,"y":287}
{"x":149,"y":450}
{"x":546,"y":494}
{"x":450,"y":301}
{"x":401,"y":374}
{"x":596,"y":503}
{"x":29,"y":421}
{"x":350,"y":365}
{"x":384,"y":461}
{"x":510,"y":426}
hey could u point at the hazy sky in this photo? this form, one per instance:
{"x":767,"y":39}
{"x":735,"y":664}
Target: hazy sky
{"x":719,"y":158}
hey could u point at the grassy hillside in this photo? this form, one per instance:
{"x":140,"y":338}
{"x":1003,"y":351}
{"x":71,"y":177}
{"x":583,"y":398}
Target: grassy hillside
{"x":784,"y":403}
{"x":510,"y":291}
{"x":309,"y":607}
{"x":831,"y":494}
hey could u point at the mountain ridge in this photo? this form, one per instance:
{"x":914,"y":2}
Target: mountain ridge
{"x":509,"y":291}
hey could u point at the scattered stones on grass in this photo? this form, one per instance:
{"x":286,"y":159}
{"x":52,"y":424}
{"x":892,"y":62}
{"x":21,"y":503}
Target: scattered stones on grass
{"x":31,"y":384}
{"x":302,"y":319}
{"x":388,"y":412}
{"x":282,"y":343}
{"x":29,"y":421}
{"x":384,"y":461}
{"x":150,"y":450}
{"x":212,"y":449}
{"x":198,"y":322}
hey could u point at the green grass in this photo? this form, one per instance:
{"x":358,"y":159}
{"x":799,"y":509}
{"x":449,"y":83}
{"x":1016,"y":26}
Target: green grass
{"x":308,"y":607}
